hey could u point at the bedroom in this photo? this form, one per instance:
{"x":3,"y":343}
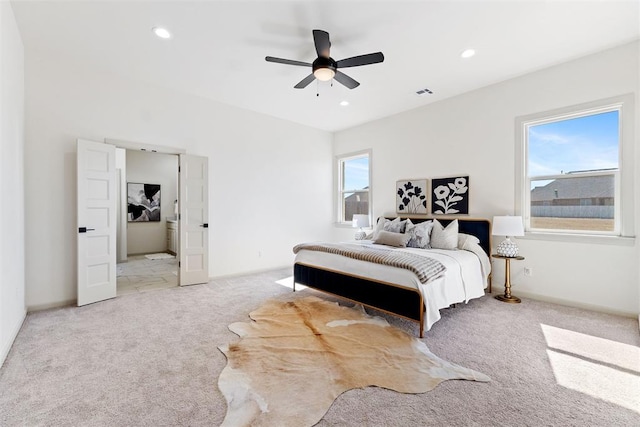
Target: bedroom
{"x":255,"y":169}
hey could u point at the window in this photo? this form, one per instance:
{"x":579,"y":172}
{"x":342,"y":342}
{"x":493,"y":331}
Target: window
{"x":354,"y":188}
{"x":572,"y":177}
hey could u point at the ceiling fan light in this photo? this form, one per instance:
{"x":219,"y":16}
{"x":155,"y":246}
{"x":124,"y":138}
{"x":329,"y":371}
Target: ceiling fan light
{"x":324,"y":74}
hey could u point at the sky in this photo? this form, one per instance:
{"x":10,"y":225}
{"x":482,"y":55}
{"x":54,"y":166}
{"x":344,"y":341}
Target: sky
{"x":356,"y":173}
{"x":578,"y":144}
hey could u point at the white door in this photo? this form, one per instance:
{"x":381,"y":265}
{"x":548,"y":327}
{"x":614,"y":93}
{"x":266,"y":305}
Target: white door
{"x":96,"y":222}
{"x":194,"y":219}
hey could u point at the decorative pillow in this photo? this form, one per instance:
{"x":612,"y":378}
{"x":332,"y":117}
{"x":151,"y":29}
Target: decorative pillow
{"x":444,"y":238}
{"x":419,"y":234}
{"x":466,"y":239}
{"x":395,"y":226}
{"x":382,"y":221}
{"x":389,"y":238}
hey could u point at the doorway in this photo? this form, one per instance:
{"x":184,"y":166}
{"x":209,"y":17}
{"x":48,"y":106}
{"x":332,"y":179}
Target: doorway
{"x":103,"y":220}
{"x":147,"y":227}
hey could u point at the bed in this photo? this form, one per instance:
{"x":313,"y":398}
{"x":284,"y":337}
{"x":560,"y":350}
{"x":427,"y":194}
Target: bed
{"x":399,"y":291}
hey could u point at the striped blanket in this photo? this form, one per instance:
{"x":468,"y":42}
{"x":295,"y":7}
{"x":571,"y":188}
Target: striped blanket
{"x":427,"y":269}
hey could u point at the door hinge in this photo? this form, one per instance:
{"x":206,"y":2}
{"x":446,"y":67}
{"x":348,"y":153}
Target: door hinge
{"x":178,"y":263}
{"x":178,"y":169}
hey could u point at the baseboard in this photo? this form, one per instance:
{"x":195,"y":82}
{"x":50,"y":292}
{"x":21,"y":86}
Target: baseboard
{"x":6,"y":347}
{"x":247,"y":273}
{"x":40,"y":307}
{"x":575,"y":304}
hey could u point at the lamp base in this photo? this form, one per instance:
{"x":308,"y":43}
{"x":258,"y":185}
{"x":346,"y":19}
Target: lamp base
{"x":510,"y":299}
{"x":507,"y":248}
{"x":360,"y":235}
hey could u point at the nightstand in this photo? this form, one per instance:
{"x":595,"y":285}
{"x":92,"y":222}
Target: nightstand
{"x":507,"y":297}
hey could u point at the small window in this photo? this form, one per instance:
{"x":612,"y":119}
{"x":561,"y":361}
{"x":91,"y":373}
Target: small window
{"x":572,"y":173}
{"x":354,"y":188}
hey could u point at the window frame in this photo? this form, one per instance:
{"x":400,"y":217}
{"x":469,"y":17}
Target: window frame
{"x":339,"y":179}
{"x":624,"y":185}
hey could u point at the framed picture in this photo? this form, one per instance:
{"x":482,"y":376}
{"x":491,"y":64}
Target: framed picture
{"x":411,"y":196}
{"x":143,"y":202}
{"x":450,"y":195}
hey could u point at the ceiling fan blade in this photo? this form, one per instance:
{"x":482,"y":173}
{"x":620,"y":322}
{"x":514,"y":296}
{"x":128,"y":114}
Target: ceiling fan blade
{"x":356,"y":61}
{"x":305,"y":82}
{"x":287,"y":61}
{"x":321,"y":40}
{"x":346,"y":80}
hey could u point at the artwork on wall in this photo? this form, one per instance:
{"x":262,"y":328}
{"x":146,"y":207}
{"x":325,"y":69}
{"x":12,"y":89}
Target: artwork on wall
{"x":143,"y":202}
{"x":450,"y":195}
{"x":411,"y":196}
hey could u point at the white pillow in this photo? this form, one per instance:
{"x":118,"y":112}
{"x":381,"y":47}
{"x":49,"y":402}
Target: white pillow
{"x":392,"y":239}
{"x":379,"y":226}
{"x":419,"y":234}
{"x":467,"y":239}
{"x":444,"y":238}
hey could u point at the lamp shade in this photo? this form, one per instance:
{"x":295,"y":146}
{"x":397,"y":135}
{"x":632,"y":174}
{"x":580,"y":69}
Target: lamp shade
{"x":507,"y":226}
{"x":360,"y":220}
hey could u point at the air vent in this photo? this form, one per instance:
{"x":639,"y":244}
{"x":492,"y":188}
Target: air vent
{"x":424,"y":91}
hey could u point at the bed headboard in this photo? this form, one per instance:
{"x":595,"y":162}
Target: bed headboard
{"x":481,"y":228}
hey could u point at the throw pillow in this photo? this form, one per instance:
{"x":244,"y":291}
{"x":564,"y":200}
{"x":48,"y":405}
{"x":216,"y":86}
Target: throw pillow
{"x":395,"y":226}
{"x":466,"y":239}
{"x":388,"y":238}
{"x":444,"y":238}
{"x":382,"y":221}
{"x":419,"y":234}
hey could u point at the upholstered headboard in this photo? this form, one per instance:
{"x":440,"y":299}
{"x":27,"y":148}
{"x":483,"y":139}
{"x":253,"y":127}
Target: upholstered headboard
{"x":481,"y":228}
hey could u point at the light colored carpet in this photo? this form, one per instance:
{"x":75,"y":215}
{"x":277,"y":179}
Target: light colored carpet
{"x":159,"y":256}
{"x":151,"y":359}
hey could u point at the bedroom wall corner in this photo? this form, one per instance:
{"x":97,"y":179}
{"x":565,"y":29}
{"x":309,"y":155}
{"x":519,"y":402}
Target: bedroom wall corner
{"x":12,"y":260}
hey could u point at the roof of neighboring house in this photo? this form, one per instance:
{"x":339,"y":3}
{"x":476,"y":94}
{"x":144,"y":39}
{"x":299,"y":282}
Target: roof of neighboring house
{"x":575,"y":188}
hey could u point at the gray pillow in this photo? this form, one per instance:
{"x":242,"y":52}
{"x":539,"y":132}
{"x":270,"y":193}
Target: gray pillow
{"x":395,"y":226}
{"x":419,"y":234}
{"x":388,"y":238}
{"x":444,"y":238}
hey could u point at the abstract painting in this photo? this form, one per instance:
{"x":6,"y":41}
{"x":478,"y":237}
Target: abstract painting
{"x":143,"y":202}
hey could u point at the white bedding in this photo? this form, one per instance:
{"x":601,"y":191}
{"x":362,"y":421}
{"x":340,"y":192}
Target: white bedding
{"x":465,"y":278}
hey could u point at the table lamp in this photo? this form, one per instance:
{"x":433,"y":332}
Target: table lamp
{"x":360,"y":221}
{"x":507,"y":226}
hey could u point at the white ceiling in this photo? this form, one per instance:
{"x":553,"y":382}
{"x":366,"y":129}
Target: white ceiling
{"x":218,"y":47}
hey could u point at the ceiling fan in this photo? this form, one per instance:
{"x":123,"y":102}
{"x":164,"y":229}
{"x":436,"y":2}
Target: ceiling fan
{"x":325,"y":68}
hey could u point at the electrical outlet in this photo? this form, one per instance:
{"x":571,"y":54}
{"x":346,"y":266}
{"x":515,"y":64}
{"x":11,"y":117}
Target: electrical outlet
{"x":528,"y":271}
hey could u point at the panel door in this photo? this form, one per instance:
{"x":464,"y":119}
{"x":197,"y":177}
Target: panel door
{"x":193,"y":222}
{"x":96,"y":222}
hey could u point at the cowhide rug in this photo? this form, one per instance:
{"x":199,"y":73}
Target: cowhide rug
{"x":296,"y":357}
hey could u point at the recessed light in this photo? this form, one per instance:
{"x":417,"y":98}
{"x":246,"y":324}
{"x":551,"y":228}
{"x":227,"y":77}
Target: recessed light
{"x":163,"y":33}
{"x":344,"y":103}
{"x":468,"y":53}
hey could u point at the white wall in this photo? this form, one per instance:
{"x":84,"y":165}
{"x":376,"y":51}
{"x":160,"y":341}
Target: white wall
{"x":152,"y":168}
{"x":474,"y":134}
{"x":268,"y":178}
{"x":12,"y":262}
